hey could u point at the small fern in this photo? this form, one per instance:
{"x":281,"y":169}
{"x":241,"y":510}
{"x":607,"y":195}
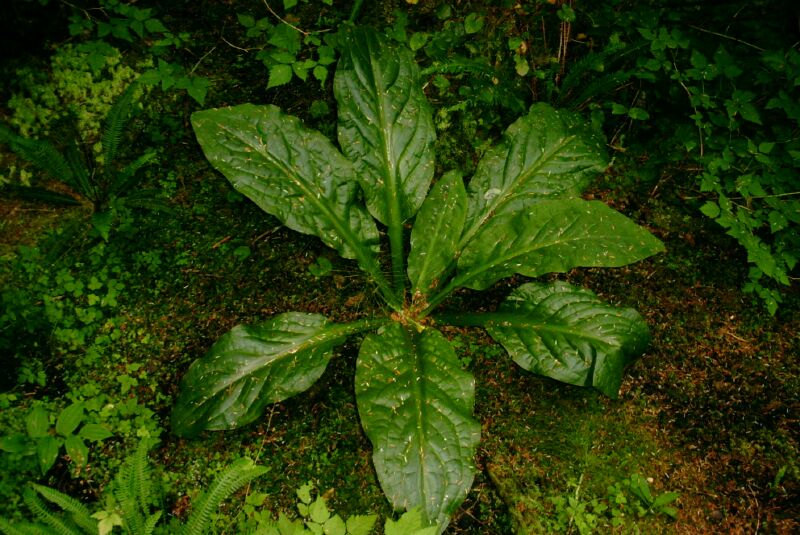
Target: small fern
{"x":41,"y":154}
{"x":132,"y":488}
{"x":115,"y":122}
{"x":133,"y":496}
{"x":595,"y":75}
{"x":81,"y":515}
{"x":55,"y":523}
{"x":103,"y":183}
{"x":7,"y":528}
{"x":238,"y":474}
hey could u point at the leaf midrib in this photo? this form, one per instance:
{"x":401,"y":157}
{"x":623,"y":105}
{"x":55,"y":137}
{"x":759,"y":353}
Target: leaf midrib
{"x":523,"y":250}
{"x":314,"y":340}
{"x":491,"y":208}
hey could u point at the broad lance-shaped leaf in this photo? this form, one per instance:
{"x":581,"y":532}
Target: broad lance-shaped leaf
{"x":543,"y":155}
{"x":569,"y":334}
{"x":385,"y":124}
{"x":291,"y":172}
{"x":436,"y":232}
{"x":415,"y":404}
{"x":553,"y":237}
{"x":252,"y":366}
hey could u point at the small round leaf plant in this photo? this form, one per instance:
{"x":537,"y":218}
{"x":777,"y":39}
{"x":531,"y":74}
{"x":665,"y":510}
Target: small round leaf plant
{"x":521,"y":213}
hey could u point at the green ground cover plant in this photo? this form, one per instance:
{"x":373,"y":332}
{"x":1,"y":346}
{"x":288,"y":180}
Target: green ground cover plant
{"x":728,"y":87}
{"x":135,"y":25}
{"x":131,"y":502}
{"x":521,"y":213}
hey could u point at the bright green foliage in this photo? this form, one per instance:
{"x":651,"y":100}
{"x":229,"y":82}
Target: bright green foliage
{"x":521,"y":214}
{"x":727,"y":90}
{"x":45,"y":442}
{"x":649,"y":504}
{"x":316,"y":518}
{"x":286,"y":52}
{"x":745,"y":141}
{"x":127,"y":22}
{"x":131,"y":502}
{"x":84,"y":82}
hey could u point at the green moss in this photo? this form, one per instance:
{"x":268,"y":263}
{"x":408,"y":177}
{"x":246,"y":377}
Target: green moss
{"x":83,"y":81}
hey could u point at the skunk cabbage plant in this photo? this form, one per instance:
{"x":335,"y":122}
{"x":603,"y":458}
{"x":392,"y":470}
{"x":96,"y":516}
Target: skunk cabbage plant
{"x":521,"y":213}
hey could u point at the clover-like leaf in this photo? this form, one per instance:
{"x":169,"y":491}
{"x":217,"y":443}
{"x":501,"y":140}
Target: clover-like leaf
{"x":415,"y":404}
{"x":569,"y":334}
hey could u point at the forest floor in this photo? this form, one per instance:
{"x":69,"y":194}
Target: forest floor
{"x":709,"y":412}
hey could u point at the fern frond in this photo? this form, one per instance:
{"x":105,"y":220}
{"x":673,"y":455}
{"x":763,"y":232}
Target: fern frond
{"x":238,"y":474}
{"x":116,"y":120}
{"x":124,"y":179}
{"x":598,"y":87}
{"x":133,"y":490}
{"x":147,"y":200}
{"x":80,"y":513}
{"x":125,"y":496}
{"x":602,"y":71}
{"x":7,"y":528}
{"x":38,"y":153}
{"x":82,"y":176}
{"x":34,"y":193}
{"x":150,"y":524}
{"x":142,"y":483}
{"x":59,"y":525}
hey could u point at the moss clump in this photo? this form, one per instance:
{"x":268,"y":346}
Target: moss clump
{"x":83,"y":81}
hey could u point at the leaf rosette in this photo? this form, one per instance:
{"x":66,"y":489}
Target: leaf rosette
{"x":521,"y":214}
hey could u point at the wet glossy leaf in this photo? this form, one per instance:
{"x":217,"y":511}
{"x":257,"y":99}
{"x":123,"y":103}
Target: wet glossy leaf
{"x":253,"y":366}
{"x":291,"y":172}
{"x":415,"y":404}
{"x":436,"y":232}
{"x":543,"y":155}
{"x":569,"y":334}
{"x":385,"y":124}
{"x":553,"y":237}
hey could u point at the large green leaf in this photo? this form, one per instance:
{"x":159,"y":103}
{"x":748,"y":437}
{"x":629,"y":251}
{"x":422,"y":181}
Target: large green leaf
{"x":436,"y":232}
{"x":543,"y":155}
{"x":385,"y":124}
{"x":552,"y":237}
{"x":291,"y":172}
{"x":569,"y":334}
{"x":415,"y":404}
{"x":252,"y":366}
